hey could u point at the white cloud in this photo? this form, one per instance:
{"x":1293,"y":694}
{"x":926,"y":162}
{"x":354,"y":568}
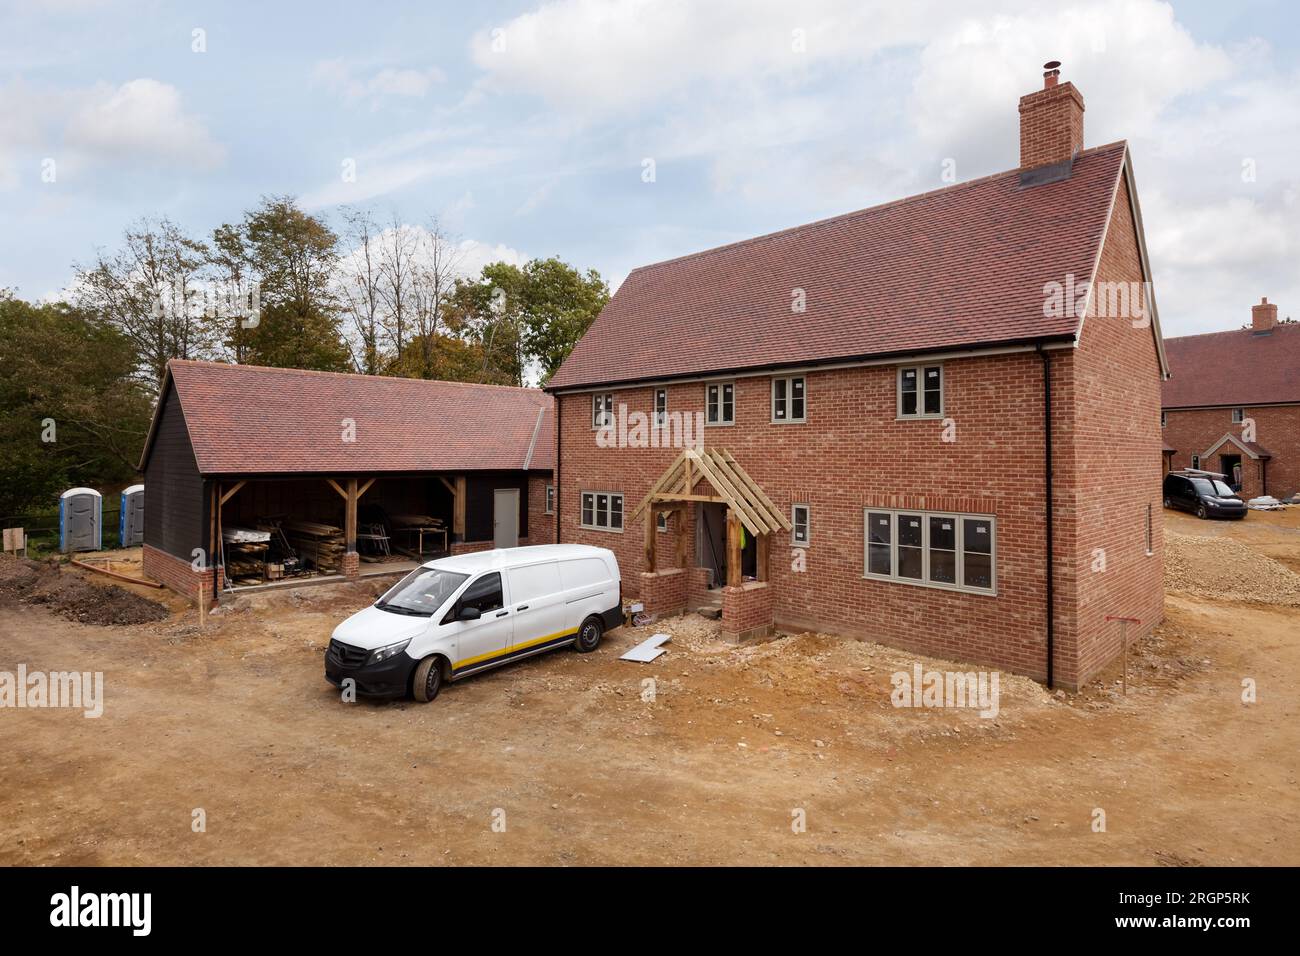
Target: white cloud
{"x":352,"y":82}
{"x":140,"y":119}
{"x":602,"y":56}
{"x":378,"y":177}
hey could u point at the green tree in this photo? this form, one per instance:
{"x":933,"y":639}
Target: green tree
{"x":292,"y":256}
{"x":559,"y":305}
{"x":73,"y":411}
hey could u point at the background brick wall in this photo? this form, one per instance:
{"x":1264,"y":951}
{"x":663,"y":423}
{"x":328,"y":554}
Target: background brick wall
{"x":1277,"y":427}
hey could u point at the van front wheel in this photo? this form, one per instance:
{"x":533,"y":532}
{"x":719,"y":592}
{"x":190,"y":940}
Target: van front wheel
{"x":589,"y":635}
{"x":427,"y":680}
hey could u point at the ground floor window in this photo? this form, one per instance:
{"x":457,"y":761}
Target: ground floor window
{"x":550,"y":499}
{"x":932,"y":548}
{"x":602,"y":510}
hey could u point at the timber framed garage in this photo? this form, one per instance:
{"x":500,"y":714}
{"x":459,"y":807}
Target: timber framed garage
{"x":262,"y":476}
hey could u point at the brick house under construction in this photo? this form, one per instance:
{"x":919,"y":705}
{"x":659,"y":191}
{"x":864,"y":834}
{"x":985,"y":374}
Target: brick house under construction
{"x":904,"y":411}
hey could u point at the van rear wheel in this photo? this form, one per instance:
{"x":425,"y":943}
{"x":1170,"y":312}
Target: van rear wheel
{"x":427,"y":680}
{"x":589,"y":635}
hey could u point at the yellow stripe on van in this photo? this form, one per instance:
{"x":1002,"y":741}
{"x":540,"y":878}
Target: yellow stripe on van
{"x":468,"y":662}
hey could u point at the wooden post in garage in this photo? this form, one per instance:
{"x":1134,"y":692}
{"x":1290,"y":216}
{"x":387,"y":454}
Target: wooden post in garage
{"x":761,"y":548}
{"x":651,"y":521}
{"x":681,"y":536}
{"x":458,"y":513}
{"x":733,"y":549}
{"x":350,"y":517}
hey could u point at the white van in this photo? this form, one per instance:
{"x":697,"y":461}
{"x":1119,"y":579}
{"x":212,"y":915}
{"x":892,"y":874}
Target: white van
{"x":460,"y":615}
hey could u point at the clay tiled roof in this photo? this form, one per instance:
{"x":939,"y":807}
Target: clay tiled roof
{"x":1240,"y":367}
{"x":959,"y":267}
{"x":246,"y":420}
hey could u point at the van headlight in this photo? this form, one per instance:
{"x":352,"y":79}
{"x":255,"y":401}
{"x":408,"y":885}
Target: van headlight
{"x":384,"y":653}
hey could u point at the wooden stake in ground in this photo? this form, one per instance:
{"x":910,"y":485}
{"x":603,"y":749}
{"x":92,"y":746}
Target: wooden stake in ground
{"x":1124,"y":622}
{"x":203,"y":607}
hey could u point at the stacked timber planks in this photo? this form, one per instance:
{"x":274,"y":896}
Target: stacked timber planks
{"x":321,"y":544}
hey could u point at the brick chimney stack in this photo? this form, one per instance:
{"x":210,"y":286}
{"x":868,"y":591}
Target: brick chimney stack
{"x":1263,"y":316}
{"x":1051,"y":122}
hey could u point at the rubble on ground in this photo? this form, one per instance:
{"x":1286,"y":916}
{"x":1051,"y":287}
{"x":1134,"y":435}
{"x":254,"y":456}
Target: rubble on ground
{"x":27,"y":582}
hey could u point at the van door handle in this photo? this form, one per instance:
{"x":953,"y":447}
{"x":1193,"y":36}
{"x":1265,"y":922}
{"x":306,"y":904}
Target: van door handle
{"x":522,"y":607}
{"x":502,"y":613}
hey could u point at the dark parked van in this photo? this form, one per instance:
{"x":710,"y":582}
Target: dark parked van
{"x":1203,"y":493}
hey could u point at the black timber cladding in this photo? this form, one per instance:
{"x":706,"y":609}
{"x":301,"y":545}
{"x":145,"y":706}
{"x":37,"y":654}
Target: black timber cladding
{"x":175,"y":511}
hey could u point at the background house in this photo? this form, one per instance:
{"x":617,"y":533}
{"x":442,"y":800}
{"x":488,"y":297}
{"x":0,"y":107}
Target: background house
{"x":232,"y":446}
{"x":927,"y":446}
{"x":1232,"y":403}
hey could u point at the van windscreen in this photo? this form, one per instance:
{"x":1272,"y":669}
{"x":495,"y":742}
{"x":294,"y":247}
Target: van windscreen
{"x":421,"y":592}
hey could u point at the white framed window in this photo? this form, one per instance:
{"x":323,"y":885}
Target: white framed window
{"x":1196,"y":462}
{"x":920,"y":391}
{"x":661,"y":407}
{"x":602,"y":410}
{"x":550,"y":499}
{"x":801,"y":532}
{"x":1238,"y":416}
{"x":1162,"y":419}
{"x":602,"y":510}
{"x":1150,"y":533}
{"x":720,"y":403}
{"x":789,"y":399}
{"x":661,"y":520}
{"x":957,"y":552}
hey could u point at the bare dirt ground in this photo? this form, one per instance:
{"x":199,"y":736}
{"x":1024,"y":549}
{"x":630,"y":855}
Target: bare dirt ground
{"x":237,"y":720}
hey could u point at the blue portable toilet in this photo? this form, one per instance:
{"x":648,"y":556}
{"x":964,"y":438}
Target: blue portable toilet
{"x":81,"y":520}
{"x":130,"y":521}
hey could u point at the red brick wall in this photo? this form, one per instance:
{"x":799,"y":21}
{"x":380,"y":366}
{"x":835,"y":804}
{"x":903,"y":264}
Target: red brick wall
{"x":664,"y":592}
{"x":1117,"y":467}
{"x":853,"y":453}
{"x":541,"y":526}
{"x":746,"y":611}
{"x":178,"y":574}
{"x":1277,"y":427}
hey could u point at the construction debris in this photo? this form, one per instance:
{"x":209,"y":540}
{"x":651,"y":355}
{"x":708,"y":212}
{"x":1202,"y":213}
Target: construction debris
{"x":648,"y":649}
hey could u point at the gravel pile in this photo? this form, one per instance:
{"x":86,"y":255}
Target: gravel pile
{"x":1228,"y":570}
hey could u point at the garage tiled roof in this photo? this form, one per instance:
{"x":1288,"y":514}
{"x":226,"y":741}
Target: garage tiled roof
{"x":958,"y":267}
{"x":1240,"y":367}
{"x":246,"y":420}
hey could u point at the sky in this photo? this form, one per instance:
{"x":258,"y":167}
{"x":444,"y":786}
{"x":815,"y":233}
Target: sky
{"x":616,"y":133}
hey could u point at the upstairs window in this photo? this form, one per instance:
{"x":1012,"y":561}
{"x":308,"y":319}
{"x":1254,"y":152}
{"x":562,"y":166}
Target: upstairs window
{"x":661,"y":407}
{"x":602,"y":410}
{"x":1238,"y":416}
{"x":788,"y":400}
{"x":720,"y":404}
{"x":920,"y":391}
{"x":550,"y":499}
{"x":1162,"y":419}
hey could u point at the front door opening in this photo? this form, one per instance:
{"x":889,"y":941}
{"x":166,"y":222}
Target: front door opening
{"x":505,"y":518}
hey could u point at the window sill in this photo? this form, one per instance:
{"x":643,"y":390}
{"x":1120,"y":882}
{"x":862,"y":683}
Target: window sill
{"x":952,"y":588}
{"x":789,"y":421}
{"x":919,"y":418}
{"x":800,"y":544}
{"x":592,"y":527}
{"x":718,"y":424}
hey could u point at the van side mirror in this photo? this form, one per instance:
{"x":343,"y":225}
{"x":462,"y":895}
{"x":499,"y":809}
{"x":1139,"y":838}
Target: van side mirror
{"x":469,"y":614}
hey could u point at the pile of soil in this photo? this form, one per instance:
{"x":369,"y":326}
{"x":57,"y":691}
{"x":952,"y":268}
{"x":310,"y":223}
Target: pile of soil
{"x":1227,"y":569}
{"x":42,"y":583}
